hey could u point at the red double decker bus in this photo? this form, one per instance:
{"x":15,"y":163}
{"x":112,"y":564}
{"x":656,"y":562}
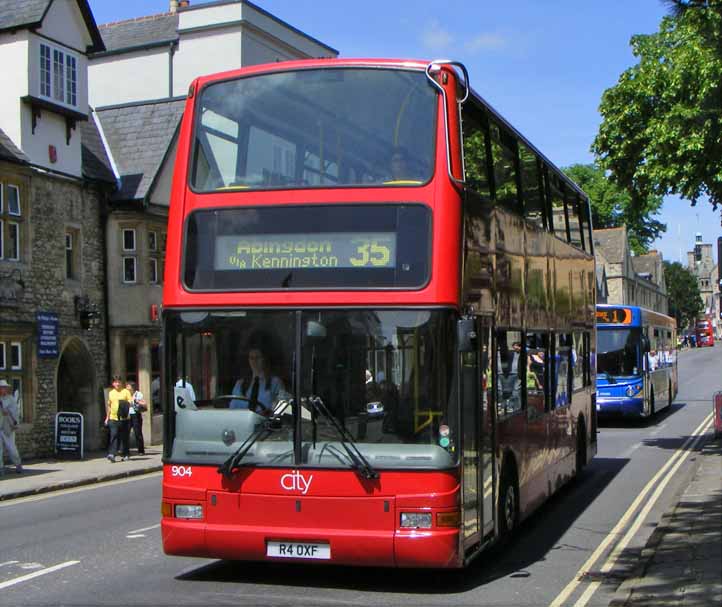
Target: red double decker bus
{"x":704,"y":333}
{"x":378,"y":319}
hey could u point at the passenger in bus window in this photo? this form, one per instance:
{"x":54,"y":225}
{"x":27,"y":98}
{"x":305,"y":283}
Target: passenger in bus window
{"x":261,"y":390}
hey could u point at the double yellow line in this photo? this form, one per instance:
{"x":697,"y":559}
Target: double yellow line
{"x":665,"y":473}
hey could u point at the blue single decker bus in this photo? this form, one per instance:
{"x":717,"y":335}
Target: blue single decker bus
{"x":636,"y":361}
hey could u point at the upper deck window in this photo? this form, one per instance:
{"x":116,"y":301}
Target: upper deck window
{"x":335,"y":127}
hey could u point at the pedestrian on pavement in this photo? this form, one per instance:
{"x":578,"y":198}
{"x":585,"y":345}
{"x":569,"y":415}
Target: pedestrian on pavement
{"x":117,"y":412}
{"x":8,"y":424}
{"x":137,"y":406}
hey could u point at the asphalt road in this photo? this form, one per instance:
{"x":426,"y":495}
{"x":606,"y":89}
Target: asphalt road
{"x":101,"y":545}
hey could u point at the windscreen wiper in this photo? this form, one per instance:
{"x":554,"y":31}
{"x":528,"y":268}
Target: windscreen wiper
{"x":347,"y":441}
{"x":268,"y":427}
{"x":610,"y":379}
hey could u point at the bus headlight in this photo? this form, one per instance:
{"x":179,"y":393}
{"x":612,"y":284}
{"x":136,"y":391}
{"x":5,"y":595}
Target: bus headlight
{"x":416,"y":520}
{"x":188,"y":511}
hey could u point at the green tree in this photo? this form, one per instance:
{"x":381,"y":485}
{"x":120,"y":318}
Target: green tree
{"x":612,"y":206}
{"x":660,"y":132}
{"x":685,"y":300}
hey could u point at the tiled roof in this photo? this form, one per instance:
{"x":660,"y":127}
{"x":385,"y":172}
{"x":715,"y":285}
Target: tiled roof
{"x":651,"y":264}
{"x":95,"y":162}
{"x":612,"y":242}
{"x":138,"y":135}
{"x":18,"y":14}
{"x":21,"y":13}
{"x":139,"y":32}
{"x":8,"y":151}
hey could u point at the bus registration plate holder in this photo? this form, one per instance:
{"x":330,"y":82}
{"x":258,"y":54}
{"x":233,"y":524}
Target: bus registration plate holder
{"x":298,"y":550}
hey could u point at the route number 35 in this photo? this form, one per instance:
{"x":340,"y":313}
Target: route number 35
{"x":181,"y":471}
{"x":370,"y":252}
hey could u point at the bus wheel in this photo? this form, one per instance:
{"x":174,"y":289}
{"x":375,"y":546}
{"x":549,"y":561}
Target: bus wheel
{"x":581,"y":455}
{"x":508,"y":503}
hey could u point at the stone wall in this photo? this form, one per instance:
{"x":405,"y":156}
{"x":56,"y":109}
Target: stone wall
{"x":53,"y":205}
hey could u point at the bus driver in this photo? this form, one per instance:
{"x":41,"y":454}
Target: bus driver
{"x":261,"y":390}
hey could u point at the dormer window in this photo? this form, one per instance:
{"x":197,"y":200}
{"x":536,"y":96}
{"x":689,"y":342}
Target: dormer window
{"x":58,"y":75}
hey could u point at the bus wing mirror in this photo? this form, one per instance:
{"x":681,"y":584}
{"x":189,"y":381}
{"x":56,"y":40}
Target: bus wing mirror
{"x":645,"y":344}
{"x":466,"y":334}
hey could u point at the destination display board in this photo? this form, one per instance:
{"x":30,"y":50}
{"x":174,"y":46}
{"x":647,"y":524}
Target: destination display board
{"x":614,"y":316}
{"x":311,"y":251}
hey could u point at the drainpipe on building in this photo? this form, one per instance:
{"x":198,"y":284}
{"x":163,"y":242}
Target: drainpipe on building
{"x":172,"y":47}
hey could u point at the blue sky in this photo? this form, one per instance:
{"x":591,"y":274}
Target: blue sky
{"x":542,"y":64}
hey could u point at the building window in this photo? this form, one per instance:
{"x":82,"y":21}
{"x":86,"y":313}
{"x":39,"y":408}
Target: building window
{"x":45,"y":71}
{"x":71,"y":81}
{"x":59,"y":82}
{"x":129,"y":273}
{"x":16,"y":358}
{"x":13,"y":193}
{"x":72,"y":254}
{"x":13,"y":241}
{"x":12,"y":370}
{"x":131,"y":363}
{"x":11,"y":222}
{"x":152,"y":241}
{"x":128,"y":239}
{"x":153,"y":270}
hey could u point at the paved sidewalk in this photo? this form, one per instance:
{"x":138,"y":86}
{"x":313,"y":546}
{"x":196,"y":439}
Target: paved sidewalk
{"x":681,"y":564}
{"x":51,"y":474}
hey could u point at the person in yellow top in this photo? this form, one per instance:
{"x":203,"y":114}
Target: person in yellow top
{"x":116,"y":418}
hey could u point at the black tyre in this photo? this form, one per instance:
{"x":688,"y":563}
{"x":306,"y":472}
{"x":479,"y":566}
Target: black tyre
{"x":508,"y":503}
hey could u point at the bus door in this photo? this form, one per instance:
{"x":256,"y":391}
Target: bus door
{"x":477,"y":485}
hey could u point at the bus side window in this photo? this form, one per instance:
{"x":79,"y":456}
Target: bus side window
{"x":562,"y":371}
{"x":577,"y":361}
{"x":509,"y":371}
{"x":504,"y":157}
{"x":575,"y":229}
{"x":532,"y":187}
{"x":476,"y":152}
{"x":537,"y":370}
{"x":559,"y":219}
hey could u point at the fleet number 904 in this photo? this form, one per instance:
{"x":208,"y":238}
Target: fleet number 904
{"x":181,"y":471}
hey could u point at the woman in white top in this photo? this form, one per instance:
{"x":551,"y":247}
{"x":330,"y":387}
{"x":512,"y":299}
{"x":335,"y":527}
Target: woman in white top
{"x":136,"y":418}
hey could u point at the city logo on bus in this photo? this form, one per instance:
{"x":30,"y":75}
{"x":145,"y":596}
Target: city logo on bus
{"x":295,"y":481}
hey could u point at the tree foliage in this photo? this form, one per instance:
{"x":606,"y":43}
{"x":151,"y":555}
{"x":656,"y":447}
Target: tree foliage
{"x":685,"y":299}
{"x":612,"y":206}
{"x":661,"y":123}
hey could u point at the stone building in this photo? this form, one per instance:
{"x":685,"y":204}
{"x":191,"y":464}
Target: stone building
{"x":53,"y":185}
{"x":636,"y":281}
{"x":700,"y":262}
{"x":138,"y":84}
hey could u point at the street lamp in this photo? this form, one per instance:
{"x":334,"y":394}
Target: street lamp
{"x":86,"y":312}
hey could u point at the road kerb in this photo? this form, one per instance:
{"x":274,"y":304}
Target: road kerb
{"x":91,"y":480}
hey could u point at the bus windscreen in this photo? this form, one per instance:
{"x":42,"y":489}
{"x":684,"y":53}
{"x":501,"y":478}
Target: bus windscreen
{"x":319,"y":246}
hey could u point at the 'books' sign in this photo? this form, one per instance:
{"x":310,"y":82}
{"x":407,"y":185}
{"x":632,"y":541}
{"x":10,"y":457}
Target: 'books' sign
{"x":69,"y":434}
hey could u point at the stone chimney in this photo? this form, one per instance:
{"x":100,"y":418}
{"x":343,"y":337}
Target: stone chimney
{"x":176,"y":4}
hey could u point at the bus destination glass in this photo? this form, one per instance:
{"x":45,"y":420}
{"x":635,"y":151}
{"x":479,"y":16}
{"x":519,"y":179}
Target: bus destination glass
{"x":381,"y":246}
{"x":614,"y":316}
{"x":328,"y":250}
